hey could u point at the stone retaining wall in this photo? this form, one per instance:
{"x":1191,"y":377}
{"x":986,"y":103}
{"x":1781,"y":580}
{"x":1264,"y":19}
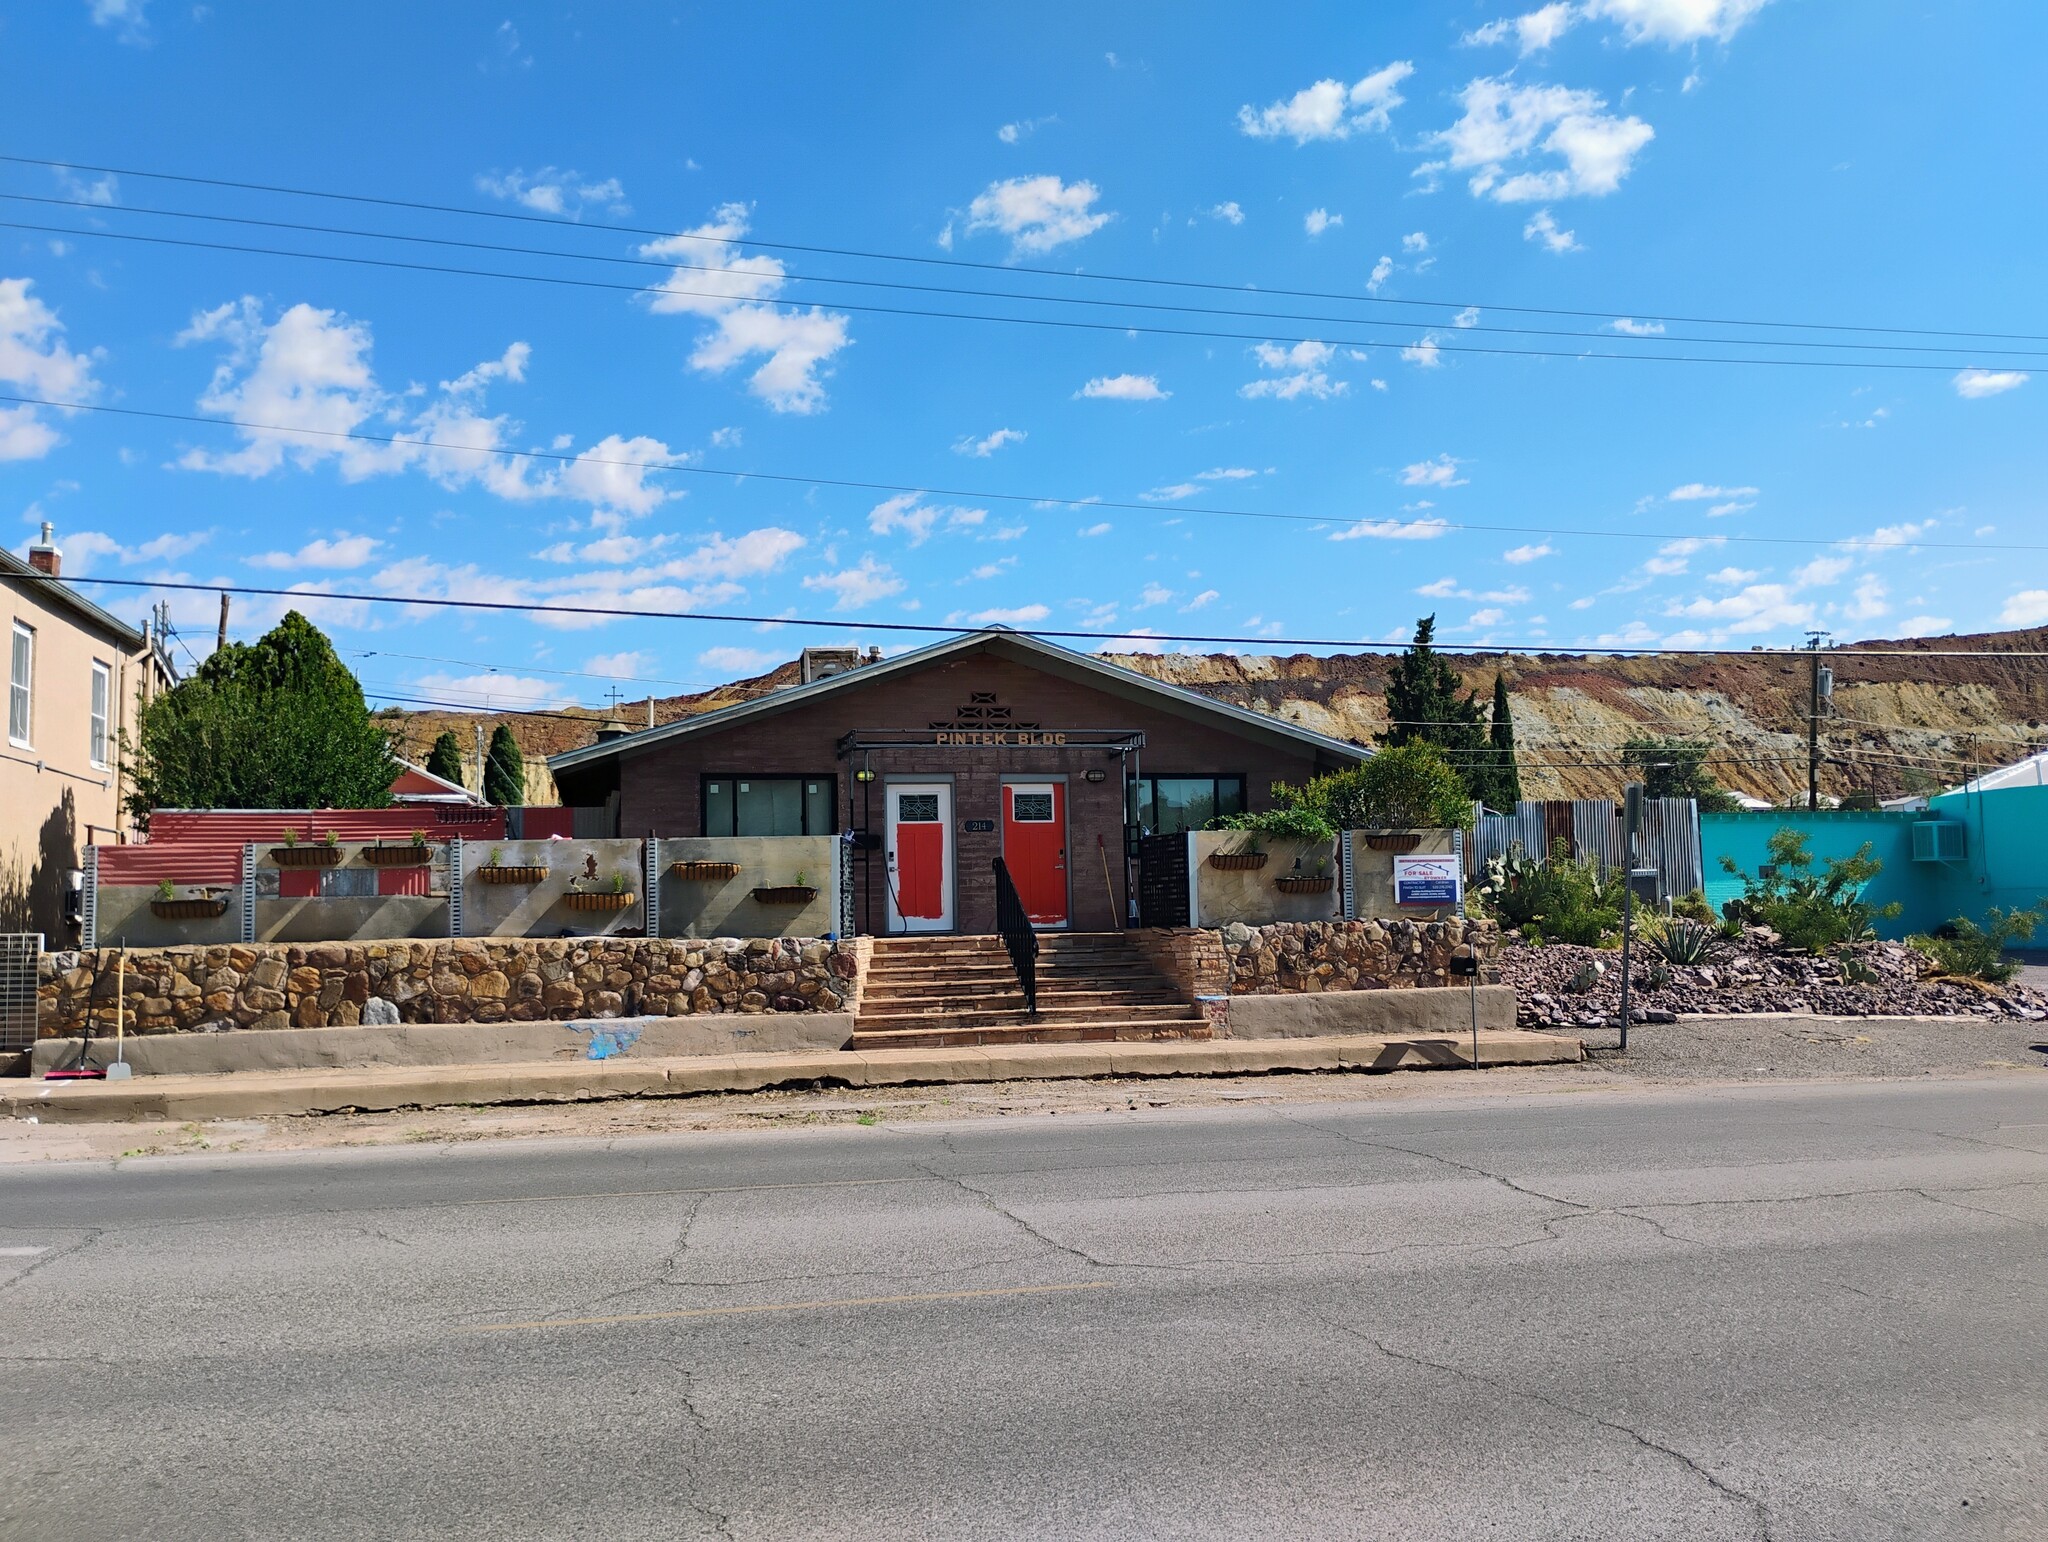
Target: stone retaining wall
{"x":316,"y":985}
{"x":1394,"y":954}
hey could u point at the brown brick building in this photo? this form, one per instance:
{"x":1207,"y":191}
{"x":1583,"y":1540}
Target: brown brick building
{"x":991,"y":744}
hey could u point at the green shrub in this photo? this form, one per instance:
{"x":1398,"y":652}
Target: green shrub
{"x":1811,"y":912}
{"x":1561,"y":900}
{"x":1963,"y":947}
{"x":1407,"y":787}
{"x":1694,"y":907}
{"x":1289,"y":823}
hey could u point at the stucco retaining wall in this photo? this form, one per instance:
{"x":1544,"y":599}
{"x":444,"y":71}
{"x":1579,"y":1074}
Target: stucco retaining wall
{"x":726,"y":907}
{"x":502,"y":910}
{"x":1248,"y":895}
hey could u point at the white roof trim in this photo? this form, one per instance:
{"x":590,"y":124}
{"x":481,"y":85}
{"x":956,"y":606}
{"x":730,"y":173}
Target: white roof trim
{"x":1023,"y":641}
{"x":455,"y":788}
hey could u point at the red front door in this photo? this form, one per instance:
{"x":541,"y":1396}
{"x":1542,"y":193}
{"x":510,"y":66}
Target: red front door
{"x":1035,"y":848}
{"x":920,"y":857}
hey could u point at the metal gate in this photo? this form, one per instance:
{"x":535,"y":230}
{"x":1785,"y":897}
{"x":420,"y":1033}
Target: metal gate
{"x":21,"y":955}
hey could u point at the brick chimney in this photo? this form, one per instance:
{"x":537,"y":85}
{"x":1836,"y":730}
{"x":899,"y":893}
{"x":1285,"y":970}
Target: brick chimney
{"x":44,"y":555}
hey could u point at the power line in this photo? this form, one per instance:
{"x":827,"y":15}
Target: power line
{"x":1849,"y":543}
{"x":1432,"y":342}
{"x":671,"y":265}
{"x":1356,"y":645}
{"x":515,"y":216}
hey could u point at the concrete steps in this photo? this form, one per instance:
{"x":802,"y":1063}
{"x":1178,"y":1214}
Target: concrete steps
{"x":944,"y":992}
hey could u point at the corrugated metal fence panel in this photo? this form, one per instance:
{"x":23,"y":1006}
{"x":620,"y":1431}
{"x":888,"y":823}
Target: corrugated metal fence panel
{"x":1494,"y":835}
{"x":1671,"y":844}
{"x":1596,"y":832}
{"x":1592,"y":828}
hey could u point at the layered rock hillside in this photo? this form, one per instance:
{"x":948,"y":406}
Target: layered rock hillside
{"x":1906,"y":718}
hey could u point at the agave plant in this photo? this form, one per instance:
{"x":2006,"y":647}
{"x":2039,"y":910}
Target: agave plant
{"x":1686,"y":941}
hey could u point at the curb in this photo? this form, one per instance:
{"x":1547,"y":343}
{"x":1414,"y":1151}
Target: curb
{"x":258,"y":1094}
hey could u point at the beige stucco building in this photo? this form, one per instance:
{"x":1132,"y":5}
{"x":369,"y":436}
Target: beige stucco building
{"x":75,"y":678}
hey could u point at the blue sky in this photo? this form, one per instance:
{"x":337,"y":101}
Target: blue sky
{"x":1870,"y":164}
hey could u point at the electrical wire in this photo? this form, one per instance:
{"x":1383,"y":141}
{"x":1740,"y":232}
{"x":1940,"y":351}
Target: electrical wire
{"x":1656,"y":340}
{"x":1173,"y":511}
{"x":1434,"y":342}
{"x":558,"y":221}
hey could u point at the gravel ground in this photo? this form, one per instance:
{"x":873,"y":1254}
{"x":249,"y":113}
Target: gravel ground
{"x":1741,"y":1049}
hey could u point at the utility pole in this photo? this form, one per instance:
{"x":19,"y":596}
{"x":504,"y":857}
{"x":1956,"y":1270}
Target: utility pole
{"x":1814,"y":696}
{"x":222,"y":640}
{"x":479,"y":757}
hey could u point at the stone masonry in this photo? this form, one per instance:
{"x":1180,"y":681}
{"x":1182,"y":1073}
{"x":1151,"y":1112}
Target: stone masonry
{"x":316,"y":985}
{"x":1393,"y":954}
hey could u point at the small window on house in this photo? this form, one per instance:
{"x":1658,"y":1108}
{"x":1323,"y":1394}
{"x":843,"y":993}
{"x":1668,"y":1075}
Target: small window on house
{"x":20,"y":683}
{"x":102,"y":694}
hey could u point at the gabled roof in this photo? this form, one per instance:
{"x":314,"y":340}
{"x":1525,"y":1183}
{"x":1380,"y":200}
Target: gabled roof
{"x":1022,"y":646}
{"x":444,"y":791}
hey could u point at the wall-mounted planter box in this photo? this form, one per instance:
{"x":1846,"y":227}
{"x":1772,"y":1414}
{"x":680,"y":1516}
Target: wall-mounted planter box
{"x":492,"y":872}
{"x":785,"y":894}
{"x":398,"y":856}
{"x":1237,"y":861}
{"x":305,"y":856}
{"x":602,"y":900}
{"x":1304,"y":884}
{"x":188,"y":909}
{"x":1394,"y":840}
{"x":705,"y":872}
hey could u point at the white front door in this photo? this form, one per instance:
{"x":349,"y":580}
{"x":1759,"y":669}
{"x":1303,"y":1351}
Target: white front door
{"x":919,"y":856}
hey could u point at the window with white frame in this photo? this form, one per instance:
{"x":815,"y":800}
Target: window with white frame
{"x":102,"y":696}
{"x":20,"y":682}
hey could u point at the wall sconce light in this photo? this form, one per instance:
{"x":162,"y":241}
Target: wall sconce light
{"x":864,"y":774}
{"x":1094,"y":774}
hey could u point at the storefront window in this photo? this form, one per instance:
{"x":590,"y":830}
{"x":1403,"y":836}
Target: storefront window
{"x":769,"y":805}
{"x":1170,"y":805}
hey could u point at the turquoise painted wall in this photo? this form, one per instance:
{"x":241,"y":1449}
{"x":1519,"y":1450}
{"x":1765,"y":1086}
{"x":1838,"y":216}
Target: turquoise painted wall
{"x":1829,"y":833}
{"x":2007,"y":864}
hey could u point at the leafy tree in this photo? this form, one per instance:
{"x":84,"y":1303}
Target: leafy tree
{"x":1676,"y":768}
{"x":1499,"y":779}
{"x":1408,"y":787}
{"x":445,"y":758}
{"x":1811,"y":912}
{"x":1424,"y":706}
{"x":278,"y":723}
{"x":504,"y":770}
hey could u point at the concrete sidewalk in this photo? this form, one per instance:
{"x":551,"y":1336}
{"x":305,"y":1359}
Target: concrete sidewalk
{"x":253,"y":1094}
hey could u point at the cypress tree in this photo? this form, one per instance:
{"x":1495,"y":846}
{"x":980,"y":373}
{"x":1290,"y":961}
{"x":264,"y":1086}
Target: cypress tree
{"x":1425,"y":706}
{"x":504,"y":770}
{"x":1505,"y":775}
{"x":445,"y":758}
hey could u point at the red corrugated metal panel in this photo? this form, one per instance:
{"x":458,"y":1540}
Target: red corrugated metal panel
{"x":267,"y":826}
{"x":403,"y":880}
{"x":544,"y":823}
{"x":150,"y":865}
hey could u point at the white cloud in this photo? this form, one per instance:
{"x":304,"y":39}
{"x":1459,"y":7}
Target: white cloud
{"x":126,"y":17}
{"x":1532,"y":32}
{"x":1225,"y":474}
{"x":726,"y":438}
{"x":1628,"y":326}
{"x":1521,"y":554}
{"x":1674,"y":22}
{"x":1415,"y":241}
{"x":35,"y":359}
{"x":1486,"y":618}
{"x":1091,"y":531}
{"x":345,"y":551}
{"x":1305,"y":361}
{"x":549,"y":191}
{"x":493,"y":692}
{"x":1925,"y":626}
{"x":1754,"y":608}
{"x":1466,"y":318}
{"x":1695,"y":492}
{"x":619,"y":666}
{"x":1822,"y":571}
{"x":733,"y":293}
{"x":1202,"y":599}
{"x":1723,"y":510}
{"x":1124,"y":388}
{"x":85,"y":549}
{"x":1393,"y":530}
{"x":989,"y":570}
{"x":1037,"y":213}
{"x":1423,"y":355}
{"x":1889,"y":537}
{"x":1229,"y":213}
{"x":906,"y":514}
{"x":983,"y":448}
{"x":1868,"y":602}
{"x":2028,"y":607}
{"x":1504,"y":123}
{"x":1171,"y":494}
{"x":1542,"y":227}
{"x":1316,"y":221}
{"x":1972,"y":384}
{"x":862,"y":584}
{"x":1381,"y":272}
{"x":1329,"y":109}
{"x":1440,"y":472}
{"x":1022,"y":129}
{"x":1151,"y":595}
{"x":730,"y":661}
{"x":1016,"y":615}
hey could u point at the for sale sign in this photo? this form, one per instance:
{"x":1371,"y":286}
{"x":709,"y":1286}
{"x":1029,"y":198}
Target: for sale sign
{"x":1432,"y":881}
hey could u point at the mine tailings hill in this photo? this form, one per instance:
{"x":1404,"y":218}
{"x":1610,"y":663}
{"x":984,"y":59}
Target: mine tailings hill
{"x":1905,"y":718}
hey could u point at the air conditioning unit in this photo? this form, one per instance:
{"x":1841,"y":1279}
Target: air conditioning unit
{"x":1940,"y":840}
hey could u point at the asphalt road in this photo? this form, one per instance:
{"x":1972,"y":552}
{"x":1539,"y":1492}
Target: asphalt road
{"x":1797,"y":1312}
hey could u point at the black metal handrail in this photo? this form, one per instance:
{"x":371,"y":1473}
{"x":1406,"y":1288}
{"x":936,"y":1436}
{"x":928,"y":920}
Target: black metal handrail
{"x":1013,"y":925}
